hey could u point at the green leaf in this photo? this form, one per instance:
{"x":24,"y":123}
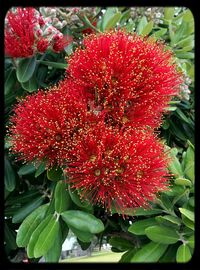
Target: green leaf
{"x":10,"y":81}
{"x":62,"y":197}
{"x":141,"y":25}
{"x":31,"y":85}
{"x":150,"y":252}
{"x":182,"y":116}
{"x":125,"y":16}
{"x":10,"y":237}
{"x":54,"y":64}
{"x":46,"y":237}
{"x":188,"y":16}
{"x":24,"y":211}
{"x":183,"y":254}
{"x":40,"y":169}
{"x":55,"y":174}
{"x":161,"y":234}
{"x":191,"y":241}
{"x":85,"y":237}
{"x":138,"y":227}
{"x":183,"y":182}
{"x":188,"y":222}
{"x":53,"y":254}
{"x":83,"y":221}
{"x":175,"y":166}
{"x":126,"y":257}
{"x":189,"y":163}
{"x":110,"y":12}
{"x":29,"y":225}
{"x":120,"y":243}
{"x":10,"y":181}
{"x":168,"y":220}
{"x":169,"y":255}
{"x":141,"y":211}
{"x":113,"y":21}
{"x":168,"y":13}
{"x":187,"y":213}
{"x":185,"y":55}
{"x":147,"y":29}
{"x":25,"y":69}
{"x":36,"y":234}
{"x":160,"y":33}
{"x":191,"y":201}
{"x":41,"y":75}
{"x":22,"y":198}
{"x":27,"y":169}
{"x":76,"y":199}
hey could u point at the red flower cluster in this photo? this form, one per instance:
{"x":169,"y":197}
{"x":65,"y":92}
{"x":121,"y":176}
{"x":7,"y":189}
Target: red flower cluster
{"x":131,"y":77}
{"x":99,"y":121}
{"x":27,"y":33}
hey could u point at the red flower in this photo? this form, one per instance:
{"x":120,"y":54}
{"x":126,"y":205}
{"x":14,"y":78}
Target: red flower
{"x":19,"y":32}
{"x":46,"y":125}
{"x":131,"y":77}
{"x":118,"y":170}
{"x":61,"y":43}
{"x":42,"y":45}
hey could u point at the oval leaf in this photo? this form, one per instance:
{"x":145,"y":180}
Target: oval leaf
{"x":10,"y":180}
{"x":113,"y":21}
{"x":161,"y":234}
{"x":46,"y":238}
{"x":182,"y":182}
{"x":36,"y":234}
{"x":29,"y":225}
{"x":62,"y":197}
{"x":183,"y":254}
{"x":147,"y":29}
{"x":27,"y":169}
{"x":85,"y":237}
{"x":76,"y":199}
{"x":25,"y":69}
{"x":24,"y":211}
{"x":83,"y":221}
{"x":150,"y":252}
{"x":138,"y":227}
{"x":187,"y":213}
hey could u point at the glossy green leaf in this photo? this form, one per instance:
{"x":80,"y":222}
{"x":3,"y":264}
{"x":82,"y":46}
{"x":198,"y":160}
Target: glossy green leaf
{"x":188,"y":222}
{"x":147,"y":29}
{"x":183,"y":254}
{"x":46,"y":238}
{"x":24,"y":211}
{"x":62,"y":197}
{"x":55,"y":174}
{"x":27,"y":169}
{"x":175,"y":166}
{"x":76,"y":199}
{"x":150,"y":252}
{"x":141,"y":211}
{"x":54,"y":64}
{"x":189,"y":163}
{"x":110,"y":12}
{"x":10,"y":179}
{"x":168,"y":13}
{"x":31,"y":85}
{"x":9,"y":237}
{"x":187,"y":213}
{"x":10,"y":81}
{"x":160,"y":33}
{"x":29,"y":225}
{"x":142,"y":23}
{"x":120,"y":243}
{"x":53,"y":254}
{"x":168,"y":220}
{"x":138,"y":227}
{"x":25,"y":69}
{"x":85,"y":237}
{"x":191,"y":241}
{"x":182,"y":182}
{"x":25,"y":197}
{"x":113,"y":21}
{"x":188,"y":16}
{"x":170,"y":255}
{"x":35,"y":235}
{"x":162,"y":234}
{"x":83,"y":221}
{"x":127,"y":256}
{"x":40,"y":169}
{"x":185,"y":55}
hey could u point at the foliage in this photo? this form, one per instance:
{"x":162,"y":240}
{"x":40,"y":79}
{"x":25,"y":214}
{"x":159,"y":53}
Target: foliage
{"x":43,"y":208}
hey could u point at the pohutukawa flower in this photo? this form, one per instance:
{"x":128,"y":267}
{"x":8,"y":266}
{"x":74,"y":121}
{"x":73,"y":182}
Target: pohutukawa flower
{"x":46,"y":125}
{"x":19,"y":32}
{"x":131,"y":77}
{"x":118,"y":170}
